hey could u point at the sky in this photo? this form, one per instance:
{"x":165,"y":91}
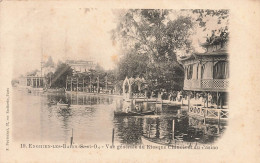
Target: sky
{"x":35,"y":33}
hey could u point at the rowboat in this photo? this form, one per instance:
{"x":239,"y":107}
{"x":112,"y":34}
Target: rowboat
{"x":148,"y":112}
{"x":52,"y":103}
{"x":132,"y":113}
{"x":50,"y":90}
{"x":62,"y":106}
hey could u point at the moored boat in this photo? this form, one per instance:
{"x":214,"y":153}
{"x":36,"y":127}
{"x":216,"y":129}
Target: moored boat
{"x":132,"y":113}
{"x":148,"y":112}
{"x":62,"y":105}
{"x":52,"y":90}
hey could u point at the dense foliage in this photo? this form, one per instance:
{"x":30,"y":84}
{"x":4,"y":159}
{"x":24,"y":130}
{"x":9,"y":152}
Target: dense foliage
{"x":60,"y":75}
{"x":150,"y":40}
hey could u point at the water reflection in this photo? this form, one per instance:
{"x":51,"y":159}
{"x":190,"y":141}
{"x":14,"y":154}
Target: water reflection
{"x":92,"y":120}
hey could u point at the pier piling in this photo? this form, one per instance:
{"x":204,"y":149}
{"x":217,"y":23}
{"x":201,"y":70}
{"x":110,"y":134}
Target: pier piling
{"x":71,"y":138}
{"x":113,"y":135}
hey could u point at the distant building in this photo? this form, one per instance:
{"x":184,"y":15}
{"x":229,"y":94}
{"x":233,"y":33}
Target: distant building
{"x":80,"y":66}
{"x":32,"y":82}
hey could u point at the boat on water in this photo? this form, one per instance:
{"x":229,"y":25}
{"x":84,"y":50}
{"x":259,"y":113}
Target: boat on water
{"x":62,"y":105}
{"x":133,"y":113}
{"x":52,"y":103}
{"x":52,"y":90}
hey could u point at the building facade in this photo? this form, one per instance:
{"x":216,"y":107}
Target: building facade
{"x":206,"y":80}
{"x":80,"y":66}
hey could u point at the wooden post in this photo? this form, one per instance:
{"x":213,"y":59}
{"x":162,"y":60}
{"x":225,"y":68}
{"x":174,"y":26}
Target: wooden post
{"x":83,"y":85}
{"x":219,"y":115}
{"x":77,"y":84}
{"x":106,"y":82}
{"x":66,"y":83}
{"x":71,"y":138}
{"x":173,"y":126}
{"x":149,"y":130}
{"x":50,"y":81}
{"x":189,"y":102}
{"x":221,"y":100}
{"x":71,"y":98}
{"x":217,"y":99}
{"x":90,"y":83}
{"x":77,"y":99}
{"x":113,"y":133}
{"x":205,"y":112}
{"x":71,"y":84}
{"x":98,"y":84}
{"x":207,"y":100}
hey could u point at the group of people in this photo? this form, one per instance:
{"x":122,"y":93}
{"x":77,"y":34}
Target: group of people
{"x":179,"y":95}
{"x":66,"y":101}
{"x":172,"y":95}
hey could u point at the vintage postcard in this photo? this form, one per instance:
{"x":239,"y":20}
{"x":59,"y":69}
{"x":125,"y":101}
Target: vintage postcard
{"x":157,"y":81}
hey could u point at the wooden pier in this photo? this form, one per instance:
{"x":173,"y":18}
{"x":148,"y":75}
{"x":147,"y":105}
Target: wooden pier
{"x":211,"y":113}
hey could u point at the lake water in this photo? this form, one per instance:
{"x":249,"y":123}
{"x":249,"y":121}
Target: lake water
{"x":92,"y":120}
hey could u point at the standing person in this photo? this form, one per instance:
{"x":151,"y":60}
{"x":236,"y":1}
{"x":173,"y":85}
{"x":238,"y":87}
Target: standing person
{"x":174,"y":95}
{"x":197,"y":96}
{"x":179,"y":96}
{"x":205,"y":98}
{"x":60,"y":101}
{"x":210,"y":98}
{"x":152,"y":95}
{"x":68,"y":101}
{"x":127,"y":109}
{"x":170,"y":96}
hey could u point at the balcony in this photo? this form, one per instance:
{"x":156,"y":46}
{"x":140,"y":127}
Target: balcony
{"x":206,"y":84}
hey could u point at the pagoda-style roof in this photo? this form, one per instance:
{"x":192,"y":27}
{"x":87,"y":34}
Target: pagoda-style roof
{"x":218,"y":52}
{"x":211,"y":50}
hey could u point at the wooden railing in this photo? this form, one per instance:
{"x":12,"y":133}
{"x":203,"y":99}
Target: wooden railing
{"x":209,"y":112}
{"x":206,"y":84}
{"x":138,"y":95}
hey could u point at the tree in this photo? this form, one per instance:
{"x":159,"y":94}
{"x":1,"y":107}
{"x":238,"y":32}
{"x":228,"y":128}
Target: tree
{"x":60,"y":75}
{"x":149,"y":41}
{"x":220,"y":18}
{"x":33,"y":73}
{"x":155,"y":37}
{"x":49,"y":62}
{"x":49,"y":78}
{"x":132,"y":65}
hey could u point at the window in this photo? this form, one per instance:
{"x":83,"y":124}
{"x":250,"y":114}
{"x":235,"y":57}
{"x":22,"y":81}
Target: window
{"x":221,"y":70}
{"x":189,"y":71}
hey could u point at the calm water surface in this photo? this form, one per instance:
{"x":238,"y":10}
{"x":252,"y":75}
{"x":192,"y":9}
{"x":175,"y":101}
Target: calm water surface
{"x":92,"y":120}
